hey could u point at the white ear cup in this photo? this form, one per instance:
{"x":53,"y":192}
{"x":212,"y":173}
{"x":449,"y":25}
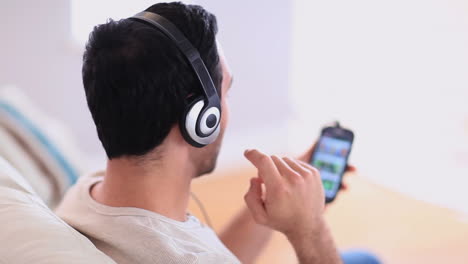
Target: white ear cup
{"x":203,"y":120}
{"x":191,"y":124}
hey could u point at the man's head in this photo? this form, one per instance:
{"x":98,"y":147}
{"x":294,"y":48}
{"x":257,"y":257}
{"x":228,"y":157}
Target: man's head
{"x":138,"y":84}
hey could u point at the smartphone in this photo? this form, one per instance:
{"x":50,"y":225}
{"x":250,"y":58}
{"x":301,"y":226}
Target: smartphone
{"x":330,"y":157}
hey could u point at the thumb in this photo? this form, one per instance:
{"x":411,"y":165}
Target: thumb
{"x":254,"y":201}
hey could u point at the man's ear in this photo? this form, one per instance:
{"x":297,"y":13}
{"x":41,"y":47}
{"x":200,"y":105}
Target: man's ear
{"x":174,"y":137}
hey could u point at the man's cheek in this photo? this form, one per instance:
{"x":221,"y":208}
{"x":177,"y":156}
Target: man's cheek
{"x":226,"y":119}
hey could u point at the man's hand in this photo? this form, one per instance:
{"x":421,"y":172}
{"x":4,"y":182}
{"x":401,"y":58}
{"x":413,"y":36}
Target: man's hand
{"x":293,"y":203}
{"x":294,"y":198}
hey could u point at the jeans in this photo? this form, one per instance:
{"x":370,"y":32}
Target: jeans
{"x":359,"y":257}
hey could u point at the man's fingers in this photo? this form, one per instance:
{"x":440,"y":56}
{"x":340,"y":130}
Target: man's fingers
{"x":351,"y":168}
{"x":284,"y":168}
{"x":296,"y":166}
{"x":343,"y":186}
{"x":266,"y":167}
{"x":254,"y":201}
{"x":310,"y":167}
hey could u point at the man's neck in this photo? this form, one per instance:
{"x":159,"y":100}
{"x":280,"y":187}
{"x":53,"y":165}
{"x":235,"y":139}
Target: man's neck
{"x":161,"y":186}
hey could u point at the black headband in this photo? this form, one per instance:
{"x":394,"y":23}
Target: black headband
{"x":190,"y":52}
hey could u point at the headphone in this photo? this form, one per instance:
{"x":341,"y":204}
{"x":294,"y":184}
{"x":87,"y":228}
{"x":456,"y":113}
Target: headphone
{"x":200,"y":122}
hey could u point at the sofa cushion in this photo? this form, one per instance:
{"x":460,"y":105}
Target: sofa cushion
{"x":32,"y":233}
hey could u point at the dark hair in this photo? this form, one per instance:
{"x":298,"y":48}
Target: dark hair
{"x":137,"y":82}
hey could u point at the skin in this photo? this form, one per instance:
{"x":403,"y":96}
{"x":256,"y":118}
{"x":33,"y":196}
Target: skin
{"x":246,"y":238}
{"x":169,"y":175}
{"x":293,"y":204}
{"x":294,"y":191}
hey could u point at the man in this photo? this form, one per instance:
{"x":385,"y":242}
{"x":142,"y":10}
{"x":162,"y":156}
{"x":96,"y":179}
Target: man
{"x":138,"y":85}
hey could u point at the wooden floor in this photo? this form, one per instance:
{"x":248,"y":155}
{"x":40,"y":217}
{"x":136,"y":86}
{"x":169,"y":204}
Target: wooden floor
{"x":395,"y":227}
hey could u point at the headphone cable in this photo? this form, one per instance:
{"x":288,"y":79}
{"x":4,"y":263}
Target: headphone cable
{"x":202,"y":209}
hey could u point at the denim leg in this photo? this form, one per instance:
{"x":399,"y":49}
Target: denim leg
{"x":359,"y":257}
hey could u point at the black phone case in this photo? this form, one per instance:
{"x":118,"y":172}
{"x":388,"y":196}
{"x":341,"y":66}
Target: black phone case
{"x":339,"y":133}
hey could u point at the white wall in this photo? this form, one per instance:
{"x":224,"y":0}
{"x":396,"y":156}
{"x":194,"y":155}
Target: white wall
{"x":38,"y":56}
{"x":397,"y":73}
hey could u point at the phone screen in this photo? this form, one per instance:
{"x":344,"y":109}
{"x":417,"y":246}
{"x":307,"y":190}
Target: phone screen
{"x":330,"y":159}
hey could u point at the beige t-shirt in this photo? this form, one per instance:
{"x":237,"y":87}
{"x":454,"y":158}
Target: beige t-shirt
{"x":132,"y":235}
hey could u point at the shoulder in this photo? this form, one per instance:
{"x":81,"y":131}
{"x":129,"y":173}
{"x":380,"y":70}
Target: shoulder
{"x":77,"y":197}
